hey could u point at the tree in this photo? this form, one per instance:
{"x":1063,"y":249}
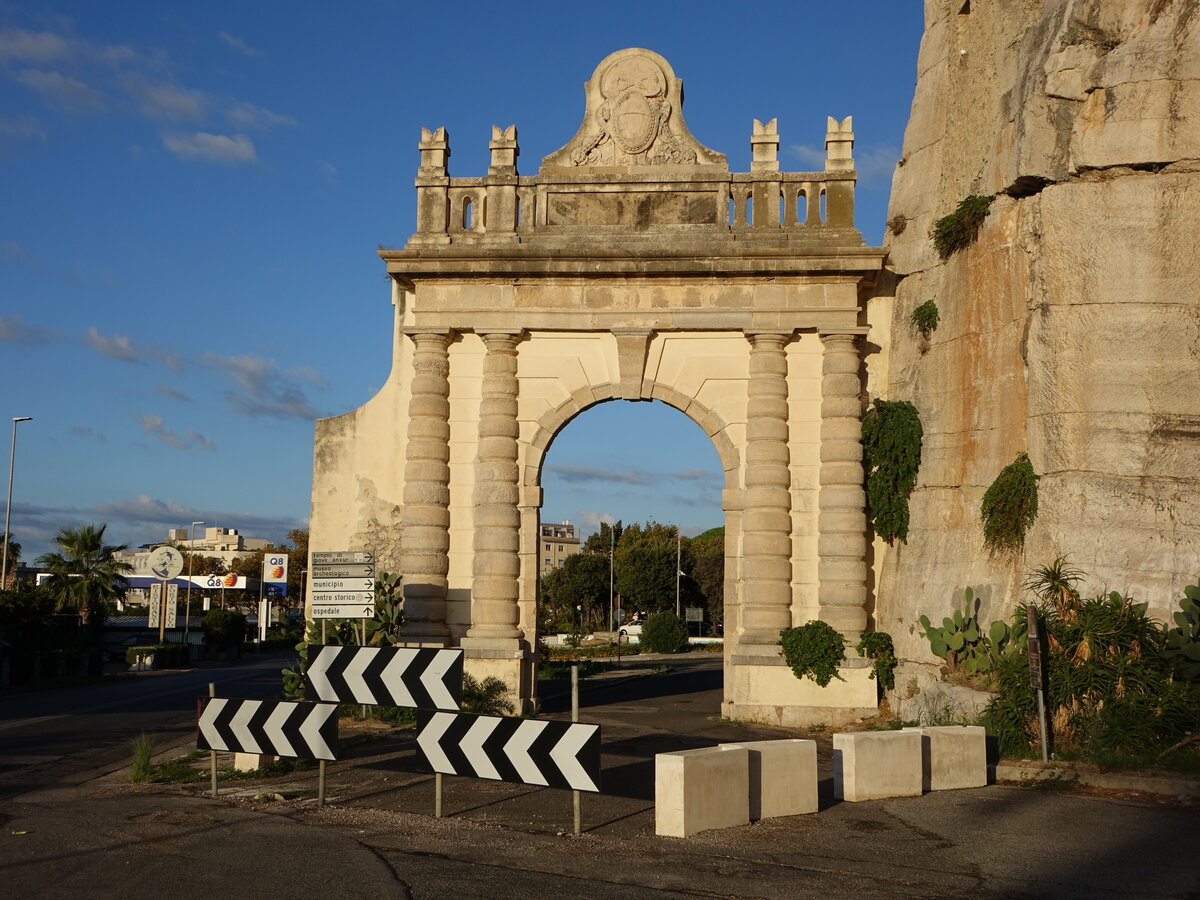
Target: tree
{"x":645,"y":564}
{"x":603,"y":540}
{"x":199,"y":564}
{"x":582,"y":580}
{"x":85,"y":573}
{"x":708,"y":569}
{"x":14,"y":558}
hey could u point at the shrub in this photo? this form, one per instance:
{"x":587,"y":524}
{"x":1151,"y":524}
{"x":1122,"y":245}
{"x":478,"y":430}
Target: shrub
{"x":1183,"y":641}
{"x":143,"y":749}
{"x":878,"y":646}
{"x":224,"y":629}
{"x":925,"y":318}
{"x":897,"y":223}
{"x":958,"y":230}
{"x":1112,"y":694}
{"x":814,"y":650}
{"x":891,"y":437}
{"x":486,"y":698}
{"x":1009,"y":506}
{"x":664,"y":632}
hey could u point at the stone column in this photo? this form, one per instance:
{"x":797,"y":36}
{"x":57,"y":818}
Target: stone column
{"x":425,"y":527}
{"x":766,"y":606}
{"x":497,"y":568}
{"x":842,"y":520}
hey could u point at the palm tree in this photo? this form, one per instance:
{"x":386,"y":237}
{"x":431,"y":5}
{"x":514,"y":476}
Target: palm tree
{"x":85,"y":572}
{"x":14,"y":557}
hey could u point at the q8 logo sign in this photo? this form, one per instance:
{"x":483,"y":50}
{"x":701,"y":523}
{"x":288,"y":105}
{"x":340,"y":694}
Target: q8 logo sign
{"x":275,"y":570}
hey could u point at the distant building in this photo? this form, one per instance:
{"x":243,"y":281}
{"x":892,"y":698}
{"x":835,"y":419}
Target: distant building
{"x":558,"y":541}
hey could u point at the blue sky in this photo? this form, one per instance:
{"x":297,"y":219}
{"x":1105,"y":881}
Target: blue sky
{"x":192,"y":195}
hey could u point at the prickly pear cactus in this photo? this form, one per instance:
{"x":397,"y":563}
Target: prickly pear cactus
{"x":1183,"y":641}
{"x":961,"y":641}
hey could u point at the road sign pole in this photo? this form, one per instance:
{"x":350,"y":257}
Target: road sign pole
{"x":437,"y":794}
{"x":575,"y":718}
{"x":212,"y":692}
{"x":321,"y":783}
{"x":1036,"y":677}
{"x":162,"y":613}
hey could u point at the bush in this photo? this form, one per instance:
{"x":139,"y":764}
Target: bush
{"x":814,"y":650}
{"x":958,"y":230}
{"x":891,"y":438}
{"x":925,"y":318}
{"x":1112,"y":695}
{"x":224,"y":629}
{"x":1009,"y":506}
{"x":664,"y":632}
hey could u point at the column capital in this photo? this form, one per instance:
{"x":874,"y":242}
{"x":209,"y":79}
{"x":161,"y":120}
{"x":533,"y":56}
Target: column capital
{"x":842,"y":332}
{"x":420,"y":331}
{"x":766,"y":338}
{"x":501,"y":340}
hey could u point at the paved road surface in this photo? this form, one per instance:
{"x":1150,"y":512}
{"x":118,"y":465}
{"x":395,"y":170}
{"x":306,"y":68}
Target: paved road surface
{"x":99,"y":837}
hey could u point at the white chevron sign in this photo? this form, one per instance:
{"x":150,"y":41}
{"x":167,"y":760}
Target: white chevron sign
{"x":505,"y":748}
{"x":273,"y":727}
{"x":425,"y":678}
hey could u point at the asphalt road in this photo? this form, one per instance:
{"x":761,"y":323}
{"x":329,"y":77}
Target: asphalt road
{"x":63,"y":835}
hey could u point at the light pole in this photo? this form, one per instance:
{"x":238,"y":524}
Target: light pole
{"x":612,"y":548}
{"x":187,"y":615}
{"x":12,"y":458}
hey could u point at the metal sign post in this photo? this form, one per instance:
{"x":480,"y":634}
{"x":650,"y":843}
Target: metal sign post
{"x":212,"y":692}
{"x":575,"y":718}
{"x":1036,"y":676}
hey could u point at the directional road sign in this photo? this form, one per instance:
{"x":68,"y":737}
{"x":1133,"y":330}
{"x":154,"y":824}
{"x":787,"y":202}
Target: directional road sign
{"x":273,"y":727}
{"x":342,"y":584}
{"x":505,"y":748}
{"x":343,"y":570}
{"x":344,"y":611}
{"x":426,"y":678}
{"x":331,"y":557}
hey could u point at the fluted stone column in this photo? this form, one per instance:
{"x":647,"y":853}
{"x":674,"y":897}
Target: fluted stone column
{"x":766,"y":514}
{"x":425,"y":527}
{"x":497,"y":568}
{"x":842,"y":521}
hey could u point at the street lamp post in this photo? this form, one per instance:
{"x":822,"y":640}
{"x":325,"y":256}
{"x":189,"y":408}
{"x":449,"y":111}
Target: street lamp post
{"x":187,"y":615}
{"x":12,"y":458}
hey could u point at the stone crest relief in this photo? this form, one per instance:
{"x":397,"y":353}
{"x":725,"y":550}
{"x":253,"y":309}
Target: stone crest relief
{"x":634,"y":117}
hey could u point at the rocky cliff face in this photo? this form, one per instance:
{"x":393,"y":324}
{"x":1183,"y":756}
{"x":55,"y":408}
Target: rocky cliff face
{"x":1071,"y":328}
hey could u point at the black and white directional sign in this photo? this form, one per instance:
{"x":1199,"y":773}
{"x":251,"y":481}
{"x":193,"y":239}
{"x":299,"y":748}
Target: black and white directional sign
{"x":336,"y":557}
{"x":505,"y":748}
{"x":426,"y":678}
{"x":341,"y":584}
{"x":273,"y":727}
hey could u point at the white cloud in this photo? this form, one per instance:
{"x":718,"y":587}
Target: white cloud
{"x":247,"y":115}
{"x":166,"y":390}
{"x":218,"y":148}
{"x":15,"y":329}
{"x":21,"y":128}
{"x":156,"y":426}
{"x":327,"y":170}
{"x":32,"y":46}
{"x":117,"y":346}
{"x":164,"y":99}
{"x":264,"y":388}
{"x":589,"y":521}
{"x":234,"y":42}
{"x":67,"y":93}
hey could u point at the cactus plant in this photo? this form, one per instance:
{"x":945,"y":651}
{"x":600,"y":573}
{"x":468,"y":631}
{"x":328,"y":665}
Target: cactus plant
{"x":1183,"y":641}
{"x":961,"y":641}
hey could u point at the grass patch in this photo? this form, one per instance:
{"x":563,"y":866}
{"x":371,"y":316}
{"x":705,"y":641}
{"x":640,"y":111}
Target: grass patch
{"x":143,"y":748}
{"x":958,"y":230}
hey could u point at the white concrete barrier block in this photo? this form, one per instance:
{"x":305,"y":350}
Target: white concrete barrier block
{"x":695,"y":790}
{"x":248,"y":762}
{"x":783,"y":777}
{"x":871,"y":765}
{"x":953,"y":756}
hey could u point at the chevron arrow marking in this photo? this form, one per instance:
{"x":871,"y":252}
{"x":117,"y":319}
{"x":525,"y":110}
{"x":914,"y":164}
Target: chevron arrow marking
{"x":425,"y":678}
{"x":444,"y":669}
{"x":358,"y":685}
{"x":429,"y":740}
{"x":393,"y":675}
{"x":504,"y":748}
{"x":276,"y":728}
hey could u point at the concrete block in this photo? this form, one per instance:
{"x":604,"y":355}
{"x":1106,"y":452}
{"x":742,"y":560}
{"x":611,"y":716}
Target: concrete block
{"x":248,"y":762}
{"x":871,"y":765}
{"x":783,"y":777}
{"x":695,"y":790}
{"x":952,"y":756}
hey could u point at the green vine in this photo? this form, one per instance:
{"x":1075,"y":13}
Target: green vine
{"x":891,"y":436}
{"x":815,"y":650}
{"x":958,"y":230}
{"x":1009,"y":506}
{"x":877,"y":646}
{"x":925,"y":318}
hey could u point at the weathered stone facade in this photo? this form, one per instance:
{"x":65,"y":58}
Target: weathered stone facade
{"x":633,"y":266}
{"x":1070,"y":329}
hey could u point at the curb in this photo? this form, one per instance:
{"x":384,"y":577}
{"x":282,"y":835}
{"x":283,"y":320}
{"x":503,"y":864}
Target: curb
{"x":1117,"y":781}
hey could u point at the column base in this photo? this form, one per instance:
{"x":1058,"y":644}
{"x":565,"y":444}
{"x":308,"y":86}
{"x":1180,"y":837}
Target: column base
{"x":769,"y":693}
{"x":511,"y":664}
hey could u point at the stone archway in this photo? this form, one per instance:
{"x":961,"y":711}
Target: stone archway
{"x":618,"y":272}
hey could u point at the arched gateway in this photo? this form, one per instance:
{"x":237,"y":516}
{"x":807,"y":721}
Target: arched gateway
{"x":633,"y":266}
